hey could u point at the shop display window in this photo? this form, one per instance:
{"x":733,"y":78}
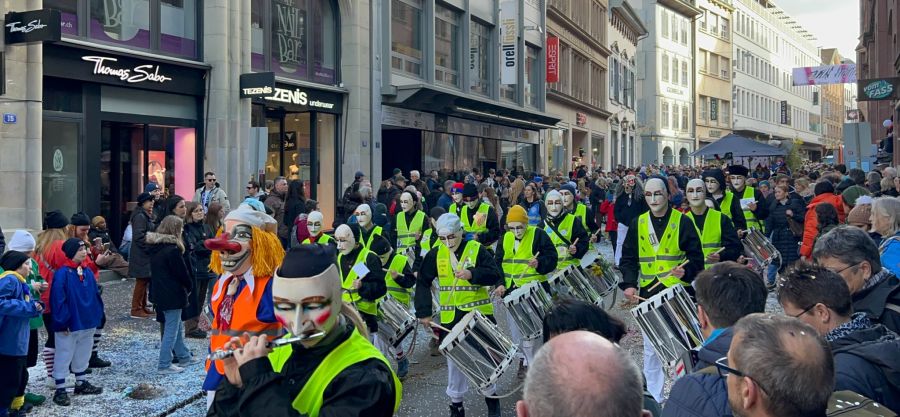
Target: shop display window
{"x":295,"y":39}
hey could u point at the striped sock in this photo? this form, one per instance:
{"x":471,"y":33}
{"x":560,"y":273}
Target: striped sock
{"x":49,"y":354}
{"x":80,"y":377}
{"x":96,"y":345}
{"x":17,"y":403}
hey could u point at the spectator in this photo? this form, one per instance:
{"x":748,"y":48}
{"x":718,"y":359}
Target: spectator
{"x":196,"y":232}
{"x":214,"y":218}
{"x":782,"y":211}
{"x":861,"y":216}
{"x":873,"y":182}
{"x":804,"y":190}
{"x":824,"y":194}
{"x":211,"y":192}
{"x":886,"y":222}
{"x":852,"y":254}
{"x":142,"y":222}
{"x":434,"y":197}
{"x":887,"y":187}
{"x":534,"y":206}
{"x":17,"y":309}
{"x":827,"y":218}
{"x":253,"y":191}
{"x":24,"y":242}
{"x":607,"y":212}
{"x":96,"y":236}
{"x":850,"y":195}
{"x":778,"y":367}
{"x":433,"y":182}
{"x":726,"y":292}
{"x":171,"y":284}
{"x":346,"y":206}
{"x":765,"y":188}
{"x":295,"y":204}
{"x":676,"y":196}
{"x":571,"y":369}
{"x":515,"y":191}
{"x":276,"y":202}
{"x":416,"y":181}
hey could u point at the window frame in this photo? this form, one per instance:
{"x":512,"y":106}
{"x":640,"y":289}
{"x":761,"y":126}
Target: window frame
{"x":475,"y":81}
{"x":404,"y":59}
{"x":455,"y":49}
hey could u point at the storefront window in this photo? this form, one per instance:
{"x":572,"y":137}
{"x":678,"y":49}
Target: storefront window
{"x":532,"y":76}
{"x":446,"y":46}
{"x":324,"y":44}
{"x":289,"y":38}
{"x":257,"y":35}
{"x":59,"y":179}
{"x":479,"y":58}
{"x":125,"y":22}
{"x":178,"y":35}
{"x":447,"y":153}
{"x":68,"y":10}
{"x":406,"y":36}
{"x":325,"y":161}
{"x":295,"y":38}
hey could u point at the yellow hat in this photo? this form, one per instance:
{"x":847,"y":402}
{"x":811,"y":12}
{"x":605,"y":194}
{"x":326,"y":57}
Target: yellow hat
{"x":517,"y":215}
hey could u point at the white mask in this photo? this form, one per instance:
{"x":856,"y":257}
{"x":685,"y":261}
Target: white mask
{"x":449,"y":230}
{"x":567,"y":198}
{"x":554,"y":203}
{"x":656,"y":196}
{"x":473,"y":204}
{"x":406,"y":202}
{"x":737,"y":181}
{"x":457,"y":197}
{"x":696,"y":193}
{"x":712,"y":185}
{"x":314,"y":223}
{"x":346,"y":241}
{"x":363,"y":215}
{"x":309,"y":305}
{"x":518,"y":229}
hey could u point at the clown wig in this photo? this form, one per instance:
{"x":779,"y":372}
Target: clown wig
{"x":266,"y":254}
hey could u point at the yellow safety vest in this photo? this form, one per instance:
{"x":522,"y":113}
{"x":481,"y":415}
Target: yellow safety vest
{"x":394,"y":289}
{"x":656,"y":263}
{"x":752,"y":221}
{"x":323,"y":240}
{"x":457,"y":293}
{"x":581,"y":212}
{"x":406,"y":235}
{"x":375,"y":232}
{"x":483,"y":209}
{"x":351,"y":295}
{"x":725,"y":207}
{"x":354,"y":350}
{"x":711,"y":236}
{"x":515,"y":262}
{"x":562,"y":249}
{"x":455,"y":208}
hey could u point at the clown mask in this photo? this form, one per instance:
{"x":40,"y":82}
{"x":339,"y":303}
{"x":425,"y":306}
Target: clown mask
{"x":738,"y":182}
{"x":554,"y":203}
{"x":309,"y":305}
{"x":406,"y":202}
{"x":363,"y":215}
{"x":567,"y":198}
{"x":518,"y":229}
{"x":345,"y":239}
{"x":450,"y":231}
{"x":656,"y":196}
{"x":630,"y":181}
{"x":695,"y":192}
{"x":314,"y":223}
{"x":712,"y":185}
{"x":236,"y":249}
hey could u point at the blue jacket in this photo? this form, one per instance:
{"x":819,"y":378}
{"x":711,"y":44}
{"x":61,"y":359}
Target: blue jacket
{"x":75,"y":301}
{"x":890,"y":254}
{"x":701,"y":393}
{"x":867,"y":362}
{"x":16,"y":309}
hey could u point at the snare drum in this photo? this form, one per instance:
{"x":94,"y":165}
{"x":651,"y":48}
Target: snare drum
{"x":479,"y":349}
{"x":528,"y":305}
{"x":670,"y":321}
{"x":575,"y":283}
{"x":395,"y":321}
{"x":758,"y":248}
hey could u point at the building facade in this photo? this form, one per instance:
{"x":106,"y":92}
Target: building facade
{"x":878,"y":56}
{"x":625,"y":32}
{"x":713,"y":98}
{"x":579,"y":98}
{"x":768,"y":44}
{"x":834,"y":111}
{"x":665,"y":87}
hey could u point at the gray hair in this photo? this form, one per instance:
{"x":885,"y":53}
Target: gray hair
{"x":848,"y":244}
{"x":890,"y":172}
{"x":365,"y":191}
{"x":890,"y":208}
{"x":873,"y":178}
{"x":787,"y":359}
{"x":547,"y":392}
{"x":414,"y":173}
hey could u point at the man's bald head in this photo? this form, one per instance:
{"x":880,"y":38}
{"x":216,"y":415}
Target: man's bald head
{"x":571,"y":369}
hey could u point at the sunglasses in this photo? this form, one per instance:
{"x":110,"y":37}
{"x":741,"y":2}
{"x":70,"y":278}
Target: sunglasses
{"x":210,"y":180}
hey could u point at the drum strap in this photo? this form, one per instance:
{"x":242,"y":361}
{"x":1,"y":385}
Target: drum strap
{"x":558,"y":234}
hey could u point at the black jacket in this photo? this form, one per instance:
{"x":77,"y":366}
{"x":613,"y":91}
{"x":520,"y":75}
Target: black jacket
{"x":484,"y":273}
{"x":737,"y":215}
{"x":780,"y":232}
{"x":170,"y":281}
{"x":138,"y":258}
{"x":542,"y":245}
{"x":373,"y":286}
{"x":702,"y":393}
{"x":195,"y":234}
{"x":363,"y":389}
{"x":874,"y":301}
{"x":629,"y":206}
{"x":867,"y":362}
{"x":104,"y":238}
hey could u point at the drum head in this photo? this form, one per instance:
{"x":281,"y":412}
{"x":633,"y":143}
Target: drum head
{"x":458,"y":333}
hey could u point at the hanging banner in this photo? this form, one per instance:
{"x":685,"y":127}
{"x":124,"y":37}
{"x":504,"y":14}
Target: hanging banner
{"x":509,"y":34}
{"x":827,"y":74}
{"x":552,"y":59}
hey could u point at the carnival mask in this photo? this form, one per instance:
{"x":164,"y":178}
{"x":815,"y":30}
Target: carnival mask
{"x":518,"y":229}
{"x":712,"y":185}
{"x":345,"y":239}
{"x":234,"y":244}
{"x":567,"y":198}
{"x":309,"y":305}
{"x":314,"y":223}
{"x":473,"y":203}
{"x":656,"y":196}
{"x":363,"y":215}
{"x":406,"y":202}
{"x":554,"y":203}
{"x":737,"y":181}
{"x":450,"y":231}
{"x":696,"y":193}
{"x":457,"y":196}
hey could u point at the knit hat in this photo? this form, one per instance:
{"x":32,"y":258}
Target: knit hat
{"x":716,"y":174}
{"x":436,"y":212}
{"x":569,"y":186}
{"x":71,"y":246}
{"x":859,"y":215}
{"x":150,"y":187}
{"x":457,"y":187}
{"x":852,"y":193}
{"x":55,"y":220}
{"x":358,"y":175}
{"x":380,"y":246}
{"x":738,"y":170}
{"x":97,"y":220}
{"x":12,"y":260}
{"x":538,"y":180}
{"x":306,"y":261}
{"x":144,"y":197}
{"x":80,"y":219}
{"x":21,"y":241}
{"x":397,"y":171}
{"x":470,"y":190}
{"x":823,"y":187}
{"x":517,"y":214}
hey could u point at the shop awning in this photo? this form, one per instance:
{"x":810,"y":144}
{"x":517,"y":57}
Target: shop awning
{"x":737,"y":146}
{"x":436,"y":99}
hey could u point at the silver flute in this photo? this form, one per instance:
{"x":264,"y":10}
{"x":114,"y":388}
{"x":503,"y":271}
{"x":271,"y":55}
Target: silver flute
{"x":222,"y":354}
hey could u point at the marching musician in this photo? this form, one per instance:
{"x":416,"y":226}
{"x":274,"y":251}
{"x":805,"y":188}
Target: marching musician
{"x":757,"y":210}
{"x":569,"y":237}
{"x":338,"y":373}
{"x":661,"y":249}
{"x":362,"y":277}
{"x":526,"y":254}
{"x":456,"y":193}
{"x":478,"y":218}
{"x":367,"y":228}
{"x":723,"y":198}
{"x":399,"y":278}
{"x":464,"y":273}
{"x":316,"y":232}
{"x":579,"y":209}
{"x":716,"y":231}
{"x":409,"y":223}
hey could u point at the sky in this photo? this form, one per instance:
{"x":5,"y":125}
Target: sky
{"x":834,"y":22}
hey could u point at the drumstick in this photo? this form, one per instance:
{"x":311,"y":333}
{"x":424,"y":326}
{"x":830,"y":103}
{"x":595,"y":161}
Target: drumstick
{"x":670,"y":274}
{"x":439,"y":327}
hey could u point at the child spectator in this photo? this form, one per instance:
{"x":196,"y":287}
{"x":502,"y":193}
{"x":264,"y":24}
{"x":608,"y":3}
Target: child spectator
{"x":17,"y":307}
{"x":24,"y":242}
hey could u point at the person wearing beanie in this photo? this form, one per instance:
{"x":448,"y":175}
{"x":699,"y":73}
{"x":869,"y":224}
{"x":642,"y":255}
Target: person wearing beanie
{"x":824,"y":191}
{"x":399,"y":279}
{"x":860,"y":216}
{"x":851,"y":194}
{"x":77,"y":312}
{"x":751,"y":200}
{"x":17,"y":308}
{"x":723,"y":199}
{"x":464,"y":288}
{"x":572,"y":205}
{"x":479,"y":219}
{"x":142,"y":221}
{"x":304,"y":376}
{"x":526,"y":254}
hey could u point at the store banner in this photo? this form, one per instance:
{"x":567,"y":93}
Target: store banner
{"x":552,"y":59}
{"x":509,"y":45}
{"x":826,"y":74}
{"x":257,"y":84}
{"x":785,"y":113}
{"x":32,"y":26}
{"x":877,"y":89}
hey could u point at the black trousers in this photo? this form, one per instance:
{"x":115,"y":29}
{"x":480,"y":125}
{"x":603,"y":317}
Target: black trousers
{"x":14,"y":379}
{"x":31,"y":358}
{"x":613,"y":234}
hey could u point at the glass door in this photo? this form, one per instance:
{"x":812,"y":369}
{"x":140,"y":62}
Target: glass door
{"x":121,"y":172}
{"x":61,"y":172}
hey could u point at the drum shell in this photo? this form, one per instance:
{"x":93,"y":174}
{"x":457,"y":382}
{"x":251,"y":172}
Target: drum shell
{"x":395,"y":321}
{"x":479,"y":349}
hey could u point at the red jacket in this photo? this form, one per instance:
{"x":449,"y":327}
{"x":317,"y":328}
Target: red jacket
{"x":811,"y":222}
{"x":607,"y":209}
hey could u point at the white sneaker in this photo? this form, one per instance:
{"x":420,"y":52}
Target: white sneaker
{"x":172,"y":369}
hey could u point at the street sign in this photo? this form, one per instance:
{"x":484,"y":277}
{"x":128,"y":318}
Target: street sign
{"x":9,"y":118}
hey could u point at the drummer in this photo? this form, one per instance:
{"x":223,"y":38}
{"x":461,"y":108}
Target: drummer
{"x":367,"y":227}
{"x":718,"y":238}
{"x":478,"y":218}
{"x":464,"y":272}
{"x":527,"y":255}
{"x":756,"y":210}
{"x":579,"y":209}
{"x":723,"y":199}
{"x":569,"y":237}
{"x":409,"y":223}
{"x":362,"y":275}
{"x":653,"y":257}
{"x":399,"y":278}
